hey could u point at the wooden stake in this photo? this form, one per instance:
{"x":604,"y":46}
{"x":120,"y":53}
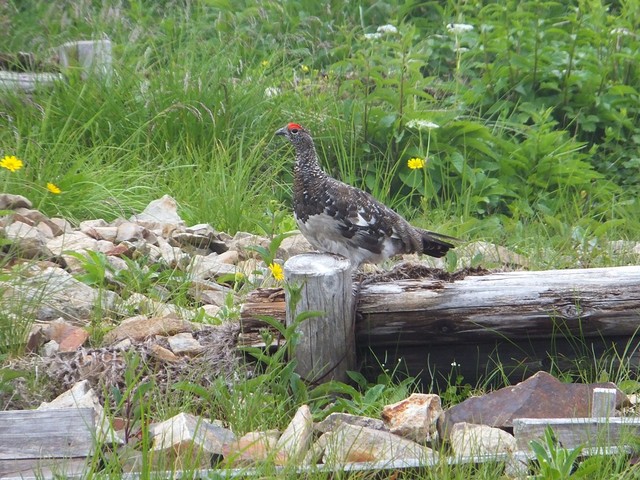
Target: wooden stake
{"x":326,"y":344}
{"x":604,"y":402}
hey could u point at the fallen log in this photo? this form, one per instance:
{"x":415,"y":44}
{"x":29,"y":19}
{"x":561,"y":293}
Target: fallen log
{"x":507,"y":324}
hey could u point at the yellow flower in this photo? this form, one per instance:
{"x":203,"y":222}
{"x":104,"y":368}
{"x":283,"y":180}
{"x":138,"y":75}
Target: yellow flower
{"x":276,"y":271}
{"x":11,"y":163}
{"x":416,"y":163}
{"x":53,"y":188}
{"x":304,"y":69}
{"x":264,"y":63}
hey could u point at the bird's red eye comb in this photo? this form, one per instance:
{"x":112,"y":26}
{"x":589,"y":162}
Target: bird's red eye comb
{"x":294,"y":126}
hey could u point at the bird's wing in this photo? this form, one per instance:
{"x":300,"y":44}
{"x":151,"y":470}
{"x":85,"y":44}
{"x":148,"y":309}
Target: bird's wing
{"x":360,"y":218}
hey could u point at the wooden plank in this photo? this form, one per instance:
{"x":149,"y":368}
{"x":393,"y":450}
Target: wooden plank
{"x":325,"y":348}
{"x":45,"y":468}
{"x":29,"y":437}
{"x":573,"y":432}
{"x":27,"y":81}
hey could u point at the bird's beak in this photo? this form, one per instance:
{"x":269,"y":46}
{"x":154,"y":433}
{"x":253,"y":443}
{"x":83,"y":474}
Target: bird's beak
{"x":282,"y":131}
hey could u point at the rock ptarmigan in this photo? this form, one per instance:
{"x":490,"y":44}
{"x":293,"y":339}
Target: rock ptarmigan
{"x":340,"y":219}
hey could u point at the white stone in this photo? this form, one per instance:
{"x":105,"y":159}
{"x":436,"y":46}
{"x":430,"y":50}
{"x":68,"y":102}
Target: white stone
{"x":414,"y":417}
{"x":159,"y":212}
{"x":81,"y":395}
{"x":184,"y":343}
{"x":296,"y":439}
{"x":350,"y":443}
{"x":184,"y":432}
{"x":468,"y":439}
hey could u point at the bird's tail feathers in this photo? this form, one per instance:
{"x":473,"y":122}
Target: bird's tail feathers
{"x":436,"y":244}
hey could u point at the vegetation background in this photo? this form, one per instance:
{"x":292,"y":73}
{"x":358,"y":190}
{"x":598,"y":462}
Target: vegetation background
{"x":537,"y":146}
{"x":524,"y":114}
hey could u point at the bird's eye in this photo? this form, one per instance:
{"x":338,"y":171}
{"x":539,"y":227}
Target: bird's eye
{"x":294,"y":130}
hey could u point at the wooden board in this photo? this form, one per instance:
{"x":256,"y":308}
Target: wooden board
{"x":40,"y":441}
{"x":590,"y":433}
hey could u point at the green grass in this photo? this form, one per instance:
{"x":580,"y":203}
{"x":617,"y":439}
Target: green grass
{"x":537,"y":146}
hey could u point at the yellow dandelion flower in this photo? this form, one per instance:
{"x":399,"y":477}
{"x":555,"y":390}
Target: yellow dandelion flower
{"x":11,"y":163}
{"x":53,"y":188}
{"x":416,"y":163}
{"x":305,"y":69}
{"x":264,"y":63}
{"x":276,"y":271}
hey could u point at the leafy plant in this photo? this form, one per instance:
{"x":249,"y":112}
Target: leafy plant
{"x":554,"y":462}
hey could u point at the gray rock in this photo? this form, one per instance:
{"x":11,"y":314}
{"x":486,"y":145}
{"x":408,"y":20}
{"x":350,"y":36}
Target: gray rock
{"x":172,"y":256}
{"x":28,"y":215}
{"x":54,"y":293}
{"x":108,"y":233}
{"x":414,"y":417}
{"x":294,"y":245}
{"x":540,"y":396}
{"x":140,"y":327}
{"x":81,"y":395}
{"x":334,"y":420}
{"x":11,"y":202}
{"x":209,"y":293}
{"x":46,"y":230}
{"x":60,"y":226}
{"x":349,"y":443}
{"x":77,"y":242}
{"x":209,"y":267}
{"x":132,"y":232}
{"x":251,"y":448}
{"x":468,"y":439}
{"x":202,"y":238}
{"x":28,"y":241}
{"x":242,"y":240}
{"x":185,"y":344}
{"x":296,"y":438}
{"x":158,"y":213}
{"x":88,"y":225}
{"x":185,"y":437}
{"x":50,"y":348}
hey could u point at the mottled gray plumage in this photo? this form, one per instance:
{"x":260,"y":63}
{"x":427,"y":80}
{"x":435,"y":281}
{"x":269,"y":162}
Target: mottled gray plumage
{"x":338,"y":218}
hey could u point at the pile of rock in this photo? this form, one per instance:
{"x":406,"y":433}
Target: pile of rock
{"x":414,"y":431}
{"x":67,"y":279}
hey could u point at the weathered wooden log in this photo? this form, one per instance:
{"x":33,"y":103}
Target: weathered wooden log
{"x":325,"y":347}
{"x":520,"y":322}
{"x":514,"y":305}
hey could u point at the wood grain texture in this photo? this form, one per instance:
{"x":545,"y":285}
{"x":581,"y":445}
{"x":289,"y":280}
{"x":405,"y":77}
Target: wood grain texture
{"x":574,"y":432}
{"x":326,"y":345}
{"x":518,"y":320}
{"x":516,"y":305}
{"x":49,"y":440}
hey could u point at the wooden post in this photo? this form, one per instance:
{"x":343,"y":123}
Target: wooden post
{"x":604,"y":402}
{"x":326,"y":344}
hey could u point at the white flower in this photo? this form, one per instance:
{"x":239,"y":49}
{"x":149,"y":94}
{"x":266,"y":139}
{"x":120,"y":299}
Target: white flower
{"x":455,"y":364}
{"x":271,"y":92}
{"x":621,"y":31}
{"x":387,"y":29}
{"x":457,"y":28}
{"x":372,"y":36}
{"x":422,"y":124}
